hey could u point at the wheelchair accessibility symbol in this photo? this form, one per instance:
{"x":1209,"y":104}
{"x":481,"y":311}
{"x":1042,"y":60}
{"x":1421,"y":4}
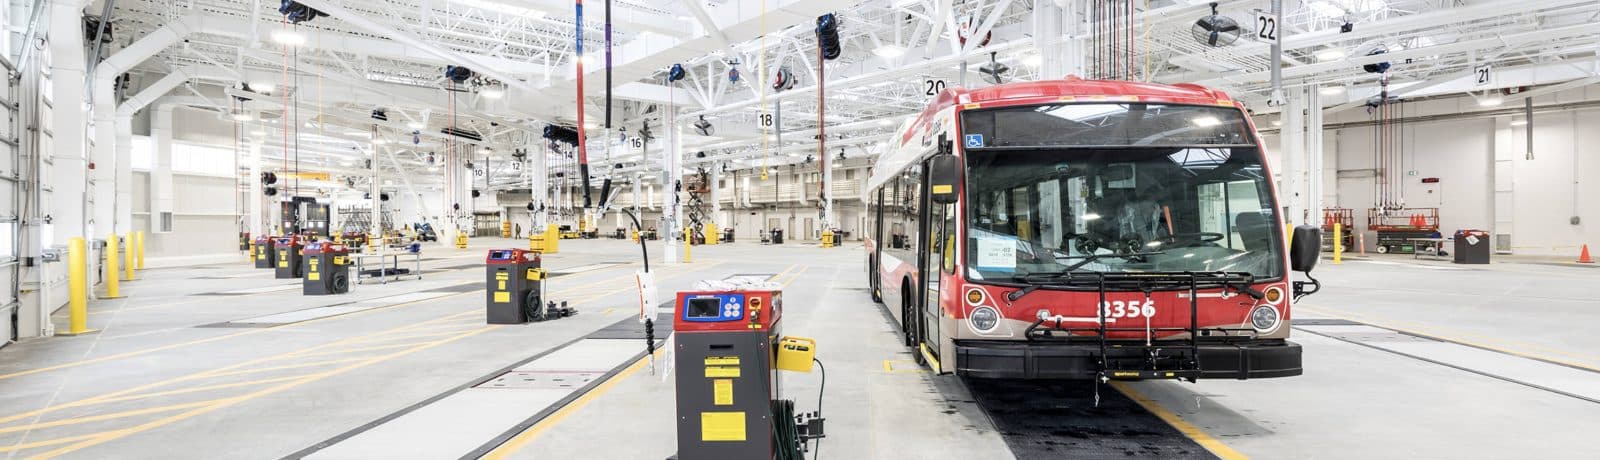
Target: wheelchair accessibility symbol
{"x":974,"y":141}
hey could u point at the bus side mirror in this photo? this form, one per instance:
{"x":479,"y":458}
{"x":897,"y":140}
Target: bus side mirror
{"x":944,"y":174}
{"x":1306,"y":249}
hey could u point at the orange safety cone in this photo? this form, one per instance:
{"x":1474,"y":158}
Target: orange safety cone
{"x":1583,"y":257}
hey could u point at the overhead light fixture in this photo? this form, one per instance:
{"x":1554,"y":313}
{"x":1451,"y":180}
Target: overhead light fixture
{"x":379,"y":141}
{"x":492,"y":92}
{"x":417,"y":125}
{"x":1491,"y":101}
{"x":1331,"y":90}
{"x":288,"y":37}
{"x":889,"y":51}
{"x":1519,"y":122}
{"x":1277,"y":122}
{"x":1330,"y":54}
{"x":1206,"y":122}
{"x":1091,"y":216}
{"x":885,"y":122}
{"x":259,"y":132}
{"x":243,"y":116}
{"x":1032,"y":60}
{"x":260,"y":87}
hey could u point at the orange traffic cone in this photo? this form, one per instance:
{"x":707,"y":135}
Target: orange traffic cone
{"x":1583,"y":257}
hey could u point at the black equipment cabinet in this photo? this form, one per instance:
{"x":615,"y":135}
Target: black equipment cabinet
{"x":1472,"y":247}
{"x":327,"y":269}
{"x":287,"y":258}
{"x":515,"y":286}
{"x":264,"y":253}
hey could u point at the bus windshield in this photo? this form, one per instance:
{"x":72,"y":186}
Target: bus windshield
{"x":1167,"y":199}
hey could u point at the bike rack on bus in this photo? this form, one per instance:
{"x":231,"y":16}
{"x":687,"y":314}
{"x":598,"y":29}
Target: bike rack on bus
{"x":1151,"y":368}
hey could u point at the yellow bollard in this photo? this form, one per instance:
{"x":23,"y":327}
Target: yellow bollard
{"x":827,"y":238}
{"x":77,"y":288}
{"x":461,"y":239}
{"x":141,"y":250}
{"x":687,"y":234}
{"x":552,"y":239}
{"x":712,"y":235}
{"x":113,"y":289}
{"x":505,"y":229}
{"x":132,"y":259}
{"x":1338,"y":244}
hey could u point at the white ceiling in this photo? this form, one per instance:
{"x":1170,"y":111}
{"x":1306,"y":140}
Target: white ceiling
{"x":390,"y":54}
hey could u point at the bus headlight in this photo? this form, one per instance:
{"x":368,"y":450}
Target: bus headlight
{"x":984,"y":319}
{"x":1264,"y":318}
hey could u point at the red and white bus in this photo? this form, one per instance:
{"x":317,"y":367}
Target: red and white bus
{"x":1086,"y":229}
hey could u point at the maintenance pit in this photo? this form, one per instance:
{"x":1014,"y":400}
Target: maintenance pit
{"x":1402,"y":360}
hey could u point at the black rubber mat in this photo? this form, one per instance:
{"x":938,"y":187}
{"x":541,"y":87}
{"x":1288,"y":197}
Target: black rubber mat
{"x":632,"y":329}
{"x":1058,"y":419}
{"x":1325,"y":322}
{"x":468,"y":287}
{"x":456,"y":267}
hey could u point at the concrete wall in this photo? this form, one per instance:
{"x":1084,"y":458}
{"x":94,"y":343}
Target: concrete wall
{"x":203,"y":219}
{"x":1473,"y":157}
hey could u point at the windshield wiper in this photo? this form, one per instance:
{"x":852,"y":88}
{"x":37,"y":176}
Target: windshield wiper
{"x":1033,"y":282}
{"x":1243,"y":287}
{"x":1093,"y":257}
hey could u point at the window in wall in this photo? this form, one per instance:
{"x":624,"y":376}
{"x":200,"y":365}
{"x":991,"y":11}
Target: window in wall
{"x":202,"y":159}
{"x":144,"y":152}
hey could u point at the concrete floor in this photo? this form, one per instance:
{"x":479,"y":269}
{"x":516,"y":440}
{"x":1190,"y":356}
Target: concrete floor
{"x":1495,"y":362}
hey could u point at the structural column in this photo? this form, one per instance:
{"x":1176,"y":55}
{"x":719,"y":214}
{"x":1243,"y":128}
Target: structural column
{"x":716,"y":197}
{"x":1293,"y":144}
{"x":671,"y":213}
{"x":68,"y":207}
{"x":1314,"y":155}
{"x":161,"y":166}
{"x":256,"y":196}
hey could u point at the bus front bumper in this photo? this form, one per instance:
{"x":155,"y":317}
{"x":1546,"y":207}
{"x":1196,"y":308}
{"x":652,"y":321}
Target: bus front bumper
{"x":1254,"y":359}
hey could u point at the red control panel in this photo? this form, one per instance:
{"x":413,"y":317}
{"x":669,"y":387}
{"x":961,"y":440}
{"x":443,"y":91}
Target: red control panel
{"x":724,"y":311}
{"x":325,"y":248}
{"x":510,"y":256}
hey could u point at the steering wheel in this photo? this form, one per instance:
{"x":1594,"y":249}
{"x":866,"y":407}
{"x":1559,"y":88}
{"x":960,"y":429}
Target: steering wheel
{"x":1197,"y":237}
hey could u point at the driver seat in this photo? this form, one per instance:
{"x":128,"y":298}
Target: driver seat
{"x":1253,"y":230}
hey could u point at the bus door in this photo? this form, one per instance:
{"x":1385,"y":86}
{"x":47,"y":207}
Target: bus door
{"x":937,"y":230}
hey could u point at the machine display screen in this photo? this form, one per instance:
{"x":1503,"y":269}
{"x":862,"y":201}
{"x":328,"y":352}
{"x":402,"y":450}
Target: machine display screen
{"x":710,"y":308}
{"x":707,"y":307}
{"x":500,"y":255}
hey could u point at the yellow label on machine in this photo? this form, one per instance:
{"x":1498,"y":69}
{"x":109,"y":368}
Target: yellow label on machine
{"x":338,"y":260}
{"x":722,"y":392}
{"x":502,"y":285}
{"x":722,"y":360}
{"x":314,"y":276}
{"x":502,"y":297}
{"x":722,"y":426}
{"x":722,"y":372}
{"x":502,"y":276}
{"x":283,"y":263}
{"x":944,"y":189}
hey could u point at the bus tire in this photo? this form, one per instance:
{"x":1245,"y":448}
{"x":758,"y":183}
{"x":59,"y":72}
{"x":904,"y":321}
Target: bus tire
{"x":1383,"y":249}
{"x":873,"y":282}
{"x":906,"y":330}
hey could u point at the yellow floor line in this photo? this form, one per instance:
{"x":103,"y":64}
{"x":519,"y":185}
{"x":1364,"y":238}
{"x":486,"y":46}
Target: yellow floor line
{"x":101,"y":417}
{"x":221,"y":386}
{"x":521,"y":440}
{"x":146,"y":351}
{"x":47,"y":442}
{"x":1199,"y":436}
{"x":1476,"y":341}
{"x":117,"y":434}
